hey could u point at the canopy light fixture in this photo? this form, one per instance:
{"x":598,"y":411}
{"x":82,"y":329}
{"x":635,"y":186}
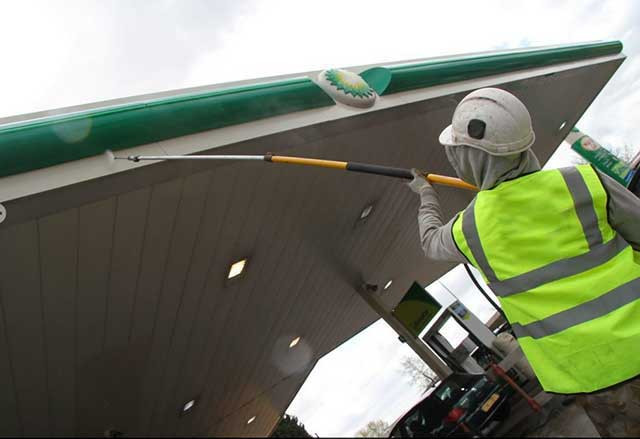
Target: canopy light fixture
{"x":366,"y":212}
{"x":294,"y":342}
{"x":236,"y":269}
{"x":188,"y":406}
{"x":253,"y":418}
{"x":388,"y":284}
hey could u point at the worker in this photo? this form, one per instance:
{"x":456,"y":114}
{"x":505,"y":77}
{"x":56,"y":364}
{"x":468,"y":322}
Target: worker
{"x":560,"y":249}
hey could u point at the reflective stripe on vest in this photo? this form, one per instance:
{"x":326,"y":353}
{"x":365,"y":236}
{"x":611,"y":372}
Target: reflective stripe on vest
{"x":470,"y":231}
{"x":557,"y":270}
{"x":582,"y":313}
{"x":568,"y":283}
{"x":584,"y":205}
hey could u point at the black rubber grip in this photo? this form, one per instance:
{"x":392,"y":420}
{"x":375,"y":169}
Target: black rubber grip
{"x":380,"y":170}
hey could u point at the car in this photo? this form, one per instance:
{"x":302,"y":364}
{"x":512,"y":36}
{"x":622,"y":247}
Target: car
{"x":462,"y":405}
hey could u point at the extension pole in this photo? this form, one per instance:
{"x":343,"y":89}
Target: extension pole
{"x":347,"y":166}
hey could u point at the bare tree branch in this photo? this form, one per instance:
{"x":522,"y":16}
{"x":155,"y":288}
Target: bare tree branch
{"x":377,"y":428}
{"x":418,"y":373}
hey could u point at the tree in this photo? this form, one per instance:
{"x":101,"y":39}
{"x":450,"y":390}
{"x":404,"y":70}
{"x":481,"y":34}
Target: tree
{"x":418,"y":373}
{"x":625,"y":152}
{"x":289,"y":426}
{"x":377,"y":428}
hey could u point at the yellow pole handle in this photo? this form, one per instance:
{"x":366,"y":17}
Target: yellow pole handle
{"x":309,"y":162}
{"x":449,"y":181}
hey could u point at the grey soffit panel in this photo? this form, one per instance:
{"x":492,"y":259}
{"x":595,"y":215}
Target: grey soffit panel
{"x":115,"y":305}
{"x":11,"y":425}
{"x":128,"y":235}
{"x":24,"y":325}
{"x":58,"y":274}
{"x":185,"y":230}
{"x":197,"y":303}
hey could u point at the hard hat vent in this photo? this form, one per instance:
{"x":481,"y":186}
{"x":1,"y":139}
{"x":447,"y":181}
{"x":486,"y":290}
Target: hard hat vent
{"x":476,"y":128}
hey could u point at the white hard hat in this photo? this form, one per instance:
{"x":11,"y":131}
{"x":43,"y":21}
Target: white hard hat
{"x":492,"y":120}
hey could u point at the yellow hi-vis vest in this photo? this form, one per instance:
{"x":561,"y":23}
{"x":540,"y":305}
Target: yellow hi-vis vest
{"x":567,"y":282}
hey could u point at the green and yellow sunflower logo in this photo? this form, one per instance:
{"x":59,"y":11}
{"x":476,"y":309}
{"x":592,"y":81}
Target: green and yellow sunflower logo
{"x":349,"y":82}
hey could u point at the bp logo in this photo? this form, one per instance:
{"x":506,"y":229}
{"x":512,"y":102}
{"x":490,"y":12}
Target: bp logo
{"x":347,"y":87}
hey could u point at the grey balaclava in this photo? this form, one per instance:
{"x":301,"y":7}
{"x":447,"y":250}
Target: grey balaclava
{"x":487,"y":171}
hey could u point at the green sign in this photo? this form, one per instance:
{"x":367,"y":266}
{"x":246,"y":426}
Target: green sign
{"x":600,"y":157}
{"x":416,"y":309}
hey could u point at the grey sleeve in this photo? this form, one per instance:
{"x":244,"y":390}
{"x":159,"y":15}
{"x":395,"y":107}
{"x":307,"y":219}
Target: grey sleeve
{"x":436,"y":238}
{"x":623,"y":208}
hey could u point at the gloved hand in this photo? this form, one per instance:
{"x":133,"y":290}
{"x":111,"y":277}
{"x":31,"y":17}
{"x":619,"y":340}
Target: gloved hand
{"x":419,"y":182}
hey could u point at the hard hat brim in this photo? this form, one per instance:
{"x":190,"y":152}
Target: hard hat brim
{"x":446,"y":139}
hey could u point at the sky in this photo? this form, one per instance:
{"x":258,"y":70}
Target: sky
{"x":60,"y":54}
{"x":57,"y":54}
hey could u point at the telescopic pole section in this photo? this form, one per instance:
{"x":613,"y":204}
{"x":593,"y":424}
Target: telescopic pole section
{"x":388,"y":171}
{"x":137,"y":158}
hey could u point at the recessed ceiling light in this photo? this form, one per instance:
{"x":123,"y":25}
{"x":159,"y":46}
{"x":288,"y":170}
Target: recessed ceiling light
{"x":253,"y":418}
{"x":366,"y":211}
{"x":188,"y":406}
{"x":294,"y":342}
{"x":388,"y":284}
{"x":562,"y":125}
{"x":236,"y":269}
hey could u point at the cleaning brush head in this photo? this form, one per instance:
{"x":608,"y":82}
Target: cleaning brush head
{"x":109,"y":155}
